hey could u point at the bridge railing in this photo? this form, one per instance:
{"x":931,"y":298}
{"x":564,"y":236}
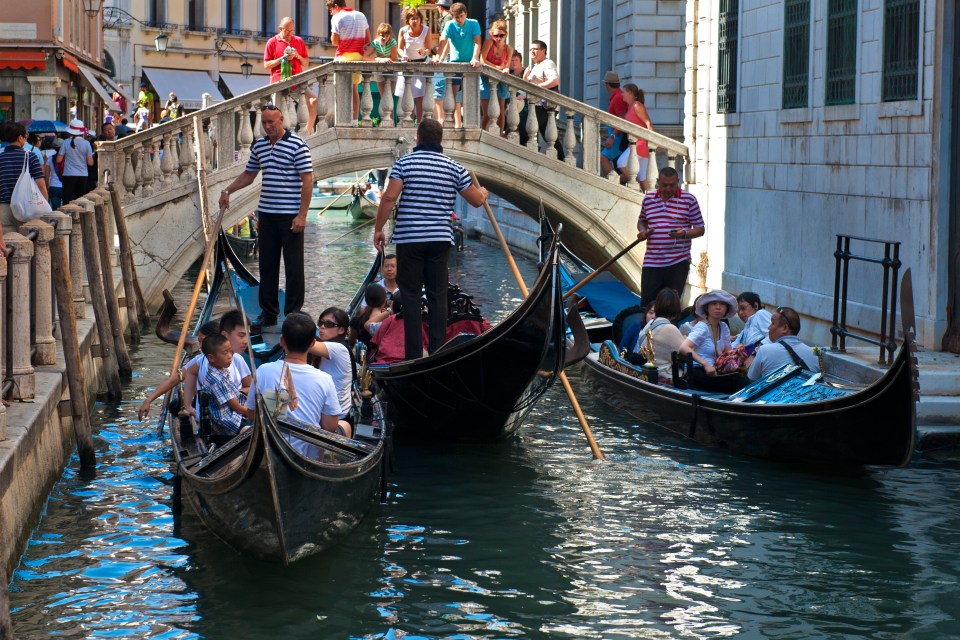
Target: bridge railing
{"x":163,"y":157}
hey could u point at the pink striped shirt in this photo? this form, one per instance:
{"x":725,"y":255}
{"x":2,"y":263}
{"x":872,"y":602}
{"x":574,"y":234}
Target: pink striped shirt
{"x":679,"y":212}
{"x":352,"y":27}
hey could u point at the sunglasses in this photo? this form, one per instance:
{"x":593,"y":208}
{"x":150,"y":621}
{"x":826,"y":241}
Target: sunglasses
{"x":499,"y":36}
{"x":328,"y":324}
{"x":269,"y":107}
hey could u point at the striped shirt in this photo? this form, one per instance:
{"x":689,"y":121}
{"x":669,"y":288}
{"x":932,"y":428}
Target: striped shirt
{"x":11,"y":166}
{"x":282,"y":164}
{"x":431,"y":182}
{"x":679,"y":212}
{"x":352,"y":27}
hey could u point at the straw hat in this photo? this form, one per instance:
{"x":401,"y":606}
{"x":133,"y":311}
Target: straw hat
{"x":718,"y":295}
{"x":76,"y":128}
{"x":611,"y":77}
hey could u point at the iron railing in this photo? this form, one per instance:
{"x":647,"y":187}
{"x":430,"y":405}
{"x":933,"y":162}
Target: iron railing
{"x":888,"y":306}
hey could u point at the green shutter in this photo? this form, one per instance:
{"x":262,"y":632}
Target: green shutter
{"x":841,"y":52}
{"x":901,"y":49}
{"x":727,"y":57}
{"x":796,"y":53}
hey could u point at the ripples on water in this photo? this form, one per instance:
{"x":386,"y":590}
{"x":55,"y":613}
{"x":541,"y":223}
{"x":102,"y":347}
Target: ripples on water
{"x":527,"y":539}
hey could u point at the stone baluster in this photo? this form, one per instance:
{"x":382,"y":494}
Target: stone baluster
{"x":470,"y":100}
{"x":129,"y":174}
{"x":207,"y":139}
{"x":148,"y":175}
{"x":155,"y":154}
{"x":493,"y":105}
{"x":532,"y":127}
{"x":550,"y":133}
{"x":258,"y":131}
{"x":3,"y":342}
{"x":449,"y":103}
{"x":170,"y":162}
{"x":633,"y":162}
{"x":386,"y":102}
{"x":590,"y":144}
{"x":42,"y":311}
{"x":186,"y":155}
{"x":324,"y":104}
{"x":24,"y":383}
{"x":366,"y":102}
{"x":303,"y":114}
{"x":76,"y":260}
{"x":570,"y":139}
{"x":407,"y":106}
{"x":138,"y":160}
{"x":245,"y":132}
{"x":428,"y":97}
{"x":512,"y":121}
{"x":653,"y":169}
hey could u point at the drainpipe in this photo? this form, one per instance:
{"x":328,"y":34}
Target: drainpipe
{"x":949,"y":179}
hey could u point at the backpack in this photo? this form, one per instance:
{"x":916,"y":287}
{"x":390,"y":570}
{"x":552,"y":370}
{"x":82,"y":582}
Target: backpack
{"x":58,"y":163}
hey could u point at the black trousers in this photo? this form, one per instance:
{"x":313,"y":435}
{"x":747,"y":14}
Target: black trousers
{"x":276,"y":240}
{"x":74,"y":187}
{"x":423,"y":265}
{"x":543,"y":114}
{"x":653,"y":279}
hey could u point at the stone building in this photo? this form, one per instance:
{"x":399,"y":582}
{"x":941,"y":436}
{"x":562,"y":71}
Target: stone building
{"x":52,"y":53}
{"x":810,"y":119}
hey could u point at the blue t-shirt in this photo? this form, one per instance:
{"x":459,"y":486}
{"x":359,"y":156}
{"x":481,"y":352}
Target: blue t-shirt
{"x":461,"y":39}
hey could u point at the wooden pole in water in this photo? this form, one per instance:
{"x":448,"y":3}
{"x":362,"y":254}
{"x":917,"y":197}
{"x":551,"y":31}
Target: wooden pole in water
{"x":105,"y":240}
{"x":60,"y":265}
{"x":126,"y":248}
{"x":594,"y":448}
{"x":128,"y":273}
{"x":601,"y":268}
{"x":91,"y":256}
{"x":6,"y":625}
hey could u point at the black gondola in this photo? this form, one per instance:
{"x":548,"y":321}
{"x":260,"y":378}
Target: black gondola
{"x":480,"y":388}
{"x":282,"y":490}
{"x":244,"y":248}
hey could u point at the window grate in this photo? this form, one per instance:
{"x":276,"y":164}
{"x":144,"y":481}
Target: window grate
{"x":796,"y":53}
{"x":901,"y":49}
{"x":841,"y":76}
{"x":727,"y":57}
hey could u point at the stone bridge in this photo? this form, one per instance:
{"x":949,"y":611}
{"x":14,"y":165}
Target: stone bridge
{"x":160,"y":189}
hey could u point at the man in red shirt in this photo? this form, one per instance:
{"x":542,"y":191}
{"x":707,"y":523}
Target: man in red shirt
{"x":274,"y":55}
{"x":617,"y":107}
{"x":350,"y":31}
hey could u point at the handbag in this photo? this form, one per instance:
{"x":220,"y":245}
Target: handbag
{"x":27,"y":201}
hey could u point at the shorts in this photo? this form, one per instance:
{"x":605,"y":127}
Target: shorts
{"x":503,"y":91}
{"x":613,"y":152}
{"x":642,"y":171}
{"x":440,"y":87}
{"x":351,"y":57}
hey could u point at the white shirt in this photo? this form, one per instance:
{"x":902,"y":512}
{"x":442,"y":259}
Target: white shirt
{"x":704,"y":344}
{"x":339,"y":367}
{"x":316,"y":392}
{"x":238,"y":371}
{"x":542,"y":72}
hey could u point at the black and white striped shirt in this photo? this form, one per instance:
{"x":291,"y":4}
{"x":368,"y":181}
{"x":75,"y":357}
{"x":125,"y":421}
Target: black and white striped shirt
{"x":431,"y":182}
{"x":281,"y":164}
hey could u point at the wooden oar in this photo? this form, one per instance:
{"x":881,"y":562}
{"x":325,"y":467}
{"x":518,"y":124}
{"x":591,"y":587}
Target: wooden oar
{"x":342,"y":193}
{"x":597,"y":454}
{"x":601,"y":268}
{"x":344,"y":235}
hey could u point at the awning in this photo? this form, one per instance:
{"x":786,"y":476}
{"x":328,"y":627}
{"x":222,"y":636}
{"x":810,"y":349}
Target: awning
{"x":93,"y":79}
{"x":237,"y":85}
{"x":20,"y":59}
{"x":70,"y":62}
{"x":188,"y":85}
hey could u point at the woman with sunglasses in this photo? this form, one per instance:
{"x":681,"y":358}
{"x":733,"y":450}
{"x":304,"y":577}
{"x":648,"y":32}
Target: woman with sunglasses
{"x":495,"y":53}
{"x":331,"y":355}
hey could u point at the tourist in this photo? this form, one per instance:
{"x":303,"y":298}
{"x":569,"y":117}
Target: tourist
{"x":52,"y":169}
{"x":543,"y":73}
{"x":516,"y":69}
{"x":232,"y":328}
{"x":350,"y":32}
{"x":388,"y":344}
{"x":119,"y":101}
{"x":334,"y":356}
{"x":72,"y":110}
{"x":708,"y":340}
{"x":614,"y":144}
{"x":385,"y":49}
{"x":11,"y":166}
{"x":226,"y":401}
{"x":415,"y":43}
{"x":375,"y":308}
{"x":423,"y":186}
{"x":290,"y":49}
{"x":439,"y":80}
{"x":495,"y":53}
{"x":285,"y":192}
{"x":206,"y":329}
{"x":636,"y":114}
{"x":142,"y":117}
{"x":123,"y":129}
{"x":164,"y":117}
{"x":173,"y":107}
{"x":666,"y":336}
{"x":669,"y":219}
{"x":32,"y":145}
{"x":77,"y":157}
{"x":145,"y":99}
{"x":784,"y":346}
{"x":313,"y":394}
{"x":459,"y":42}
{"x":756,"y":320}
{"x":388,"y":275}
{"x":108,"y":132}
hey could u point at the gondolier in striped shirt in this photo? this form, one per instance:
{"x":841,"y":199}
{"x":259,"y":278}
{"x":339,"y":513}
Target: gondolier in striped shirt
{"x":669,"y":219}
{"x":424,"y":185}
{"x":285,"y":192}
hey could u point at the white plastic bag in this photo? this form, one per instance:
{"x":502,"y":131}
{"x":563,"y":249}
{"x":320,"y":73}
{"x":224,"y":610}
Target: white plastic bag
{"x":27,"y":201}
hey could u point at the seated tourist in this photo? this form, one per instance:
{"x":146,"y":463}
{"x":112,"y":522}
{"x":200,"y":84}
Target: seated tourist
{"x":386,"y":346}
{"x":312,"y":393}
{"x":233,"y":329}
{"x":784,"y":346}
{"x":388,"y":275}
{"x":756,"y":320}
{"x":207,"y":329}
{"x":666,"y":336}
{"x":334,"y":355}
{"x":368,"y":319}
{"x":688,"y":317}
{"x":708,"y":340}
{"x":226,"y":408}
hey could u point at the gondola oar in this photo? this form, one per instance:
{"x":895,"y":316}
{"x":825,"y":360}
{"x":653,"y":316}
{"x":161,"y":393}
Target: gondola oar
{"x":344,"y":235}
{"x":601,"y":268}
{"x":597,"y":454}
{"x":343,"y":193}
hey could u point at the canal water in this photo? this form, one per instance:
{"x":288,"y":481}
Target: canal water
{"x":525,"y":539}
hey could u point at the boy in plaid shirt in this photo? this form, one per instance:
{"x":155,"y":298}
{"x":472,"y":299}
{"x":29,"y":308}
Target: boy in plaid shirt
{"x":226,"y":400}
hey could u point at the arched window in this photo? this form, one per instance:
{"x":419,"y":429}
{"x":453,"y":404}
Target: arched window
{"x":109,"y":64}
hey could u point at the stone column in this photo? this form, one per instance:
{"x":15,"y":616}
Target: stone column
{"x":43,"y":97}
{"x":76,"y":260}
{"x":24,"y":384}
{"x":42,"y":293}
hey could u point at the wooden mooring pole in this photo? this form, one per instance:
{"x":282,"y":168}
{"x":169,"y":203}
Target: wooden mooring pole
{"x":127,"y":273}
{"x":91,"y":255}
{"x":135,"y":293}
{"x":105,"y":240}
{"x":63,"y":286}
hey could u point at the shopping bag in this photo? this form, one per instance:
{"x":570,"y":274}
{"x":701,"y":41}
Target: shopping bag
{"x":27,"y":201}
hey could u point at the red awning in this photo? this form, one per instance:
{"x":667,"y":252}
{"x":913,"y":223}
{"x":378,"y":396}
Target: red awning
{"x":70,"y":62}
{"x":20,"y":59}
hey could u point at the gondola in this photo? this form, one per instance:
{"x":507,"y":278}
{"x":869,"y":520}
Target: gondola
{"x":790,"y":415}
{"x":282,"y":490}
{"x":479,"y":388}
{"x":244,"y":248}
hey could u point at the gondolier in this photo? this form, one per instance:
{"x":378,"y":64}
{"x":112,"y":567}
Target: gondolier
{"x":285,"y":192}
{"x":429,"y":182}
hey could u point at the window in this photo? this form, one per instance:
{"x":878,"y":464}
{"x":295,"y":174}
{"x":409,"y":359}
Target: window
{"x":901,"y":49}
{"x":6,"y":107}
{"x":268,"y":17}
{"x":796,"y":53}
{"x":196,"y":14}
{"x":301,"y":17}
{"x":157,"y":11}
{"x":366,"y":8}
{"x":727,"y":58}
{"x":841,"y":76}
{"x":395,"y":13}
{"x":233,"y":18}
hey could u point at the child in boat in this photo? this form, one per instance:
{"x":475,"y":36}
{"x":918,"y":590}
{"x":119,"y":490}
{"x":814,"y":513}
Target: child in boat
{"x":367,"y":321}
{"x":226,"y":401}
{"x":207,"y":329}
{"x":386,"y":345}
{"x":233,"y":329}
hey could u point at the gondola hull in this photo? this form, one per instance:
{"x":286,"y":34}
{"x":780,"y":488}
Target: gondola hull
{"x":244,"y":248}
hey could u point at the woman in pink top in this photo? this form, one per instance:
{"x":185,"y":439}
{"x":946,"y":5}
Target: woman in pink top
{"x":495,"y":53}
{"x":636,"y":114}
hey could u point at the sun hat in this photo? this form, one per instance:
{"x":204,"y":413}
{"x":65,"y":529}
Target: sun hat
{"x":444,"y":3}
{"x":718,"y":295}
{"x":611,"y":77}
{"x":76,"y":128}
